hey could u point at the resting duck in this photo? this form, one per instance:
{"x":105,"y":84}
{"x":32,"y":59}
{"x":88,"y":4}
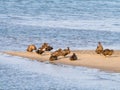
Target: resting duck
{"x":61,"y":52}
{"x":107,"y":52}
{"x":73,"y":57}
{"x":40,"y":51}
{"x":48,"y":48}
{"x":52,"y":58}
{"x":31,"y":48}
{"x":57,"y":52}
{"x":66,"y":51}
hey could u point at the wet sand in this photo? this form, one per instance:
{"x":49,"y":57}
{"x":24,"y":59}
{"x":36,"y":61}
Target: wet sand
{"x":86,"y":58}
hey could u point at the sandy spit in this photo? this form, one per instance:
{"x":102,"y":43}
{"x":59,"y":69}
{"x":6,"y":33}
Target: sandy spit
{"x":86,"y":58}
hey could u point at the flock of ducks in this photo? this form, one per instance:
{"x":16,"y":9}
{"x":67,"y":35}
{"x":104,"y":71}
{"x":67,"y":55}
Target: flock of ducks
{"x":55,"y":54}
{"x":65,"y":52}
{"x":105,"y":52}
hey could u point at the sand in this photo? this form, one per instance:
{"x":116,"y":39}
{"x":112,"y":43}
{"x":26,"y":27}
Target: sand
{"x":86,"y":58}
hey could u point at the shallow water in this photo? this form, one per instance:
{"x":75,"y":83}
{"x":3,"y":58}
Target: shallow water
{"x":19,"y":37}
{"x":78,"y":24}
{"x":23,"y":74}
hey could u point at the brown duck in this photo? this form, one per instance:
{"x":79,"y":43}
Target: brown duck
{"x":107,"y":52}
{"x":99,"y":48}
{"x":31,"y":48}
{"x":52,"y":58}
{"x":73,"y":57}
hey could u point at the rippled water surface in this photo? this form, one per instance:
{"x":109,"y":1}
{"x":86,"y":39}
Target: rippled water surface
{"x":79,"y":24}
{"x":23,"y":74}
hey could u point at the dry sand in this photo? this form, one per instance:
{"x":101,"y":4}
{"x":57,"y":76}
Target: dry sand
{"x":87,"y":58}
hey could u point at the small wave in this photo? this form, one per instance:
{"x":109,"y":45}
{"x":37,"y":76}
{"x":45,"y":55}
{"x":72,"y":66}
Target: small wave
{"x":17,"y":72}
{"x":106,"y":25}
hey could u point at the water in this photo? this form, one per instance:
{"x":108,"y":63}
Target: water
{"x":22,"y":74}
{"x":79,"y":24}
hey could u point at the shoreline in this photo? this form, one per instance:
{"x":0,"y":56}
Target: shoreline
{"x":86,"y":58}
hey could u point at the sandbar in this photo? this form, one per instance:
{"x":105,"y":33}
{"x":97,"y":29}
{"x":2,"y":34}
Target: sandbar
{"x":86,"y":58}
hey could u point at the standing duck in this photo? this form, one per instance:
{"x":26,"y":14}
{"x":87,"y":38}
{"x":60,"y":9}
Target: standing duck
{"x":99,"y":48}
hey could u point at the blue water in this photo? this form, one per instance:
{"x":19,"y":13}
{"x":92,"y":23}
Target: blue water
{"x":79,"y":24}
{"x":23,"y":74}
